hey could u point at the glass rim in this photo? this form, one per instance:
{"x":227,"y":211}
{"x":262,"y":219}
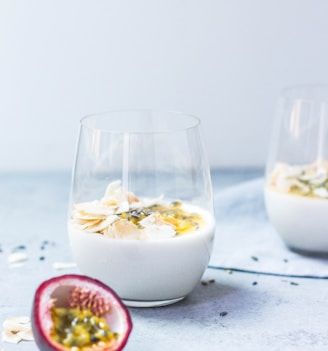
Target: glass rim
{"x":85,"y":121}
{"x":306,"y":93}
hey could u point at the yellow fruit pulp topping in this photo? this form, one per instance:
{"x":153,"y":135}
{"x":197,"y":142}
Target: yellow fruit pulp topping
{"x":80,"y":329}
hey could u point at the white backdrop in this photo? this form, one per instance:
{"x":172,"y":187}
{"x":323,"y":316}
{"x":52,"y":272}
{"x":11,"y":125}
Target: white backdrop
{"x":222,"y":60}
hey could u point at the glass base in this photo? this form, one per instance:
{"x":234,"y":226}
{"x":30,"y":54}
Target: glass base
{"x":309,"y":253}
{"x":156,"y":303}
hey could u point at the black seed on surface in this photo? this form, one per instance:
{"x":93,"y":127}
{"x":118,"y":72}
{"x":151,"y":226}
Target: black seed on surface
{"x":206,"y":282}
{"x":46,"y":243}
{"x":223,"y":313}
{"x":19,"y":248}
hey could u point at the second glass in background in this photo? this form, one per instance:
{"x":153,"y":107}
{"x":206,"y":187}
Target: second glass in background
{"x":296,"y":192}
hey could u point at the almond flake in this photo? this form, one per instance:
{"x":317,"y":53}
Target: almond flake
{"x":63,"y":265}
{"x":12,"y":338}
{"x":16,"y":329}
{"x":17,"y":257}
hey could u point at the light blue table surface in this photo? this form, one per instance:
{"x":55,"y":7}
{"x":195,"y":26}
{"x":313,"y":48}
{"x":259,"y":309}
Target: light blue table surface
{"x":263,"y":312}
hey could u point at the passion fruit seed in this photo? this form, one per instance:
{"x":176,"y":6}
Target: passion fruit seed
{"x":84,"y":299}
{"x":80,"y":324}
{"x":79,"y":328}
{"x":76,"y":312}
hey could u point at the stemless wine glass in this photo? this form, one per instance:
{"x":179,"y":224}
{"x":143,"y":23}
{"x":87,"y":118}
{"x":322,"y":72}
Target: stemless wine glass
{"x":141,"y":208}
{"x":296,"y":192}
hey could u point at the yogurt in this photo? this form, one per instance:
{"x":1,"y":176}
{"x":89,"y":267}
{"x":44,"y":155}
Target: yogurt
{"x":146,"y":269}
{"x":301,"y":222}
{"x":296,"y":200}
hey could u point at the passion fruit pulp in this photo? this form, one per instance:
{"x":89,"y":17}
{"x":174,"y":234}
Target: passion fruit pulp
{"x":76,"y":312}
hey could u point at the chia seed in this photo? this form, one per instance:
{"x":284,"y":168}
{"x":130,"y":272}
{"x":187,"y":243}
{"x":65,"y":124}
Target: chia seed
{"x":19,"y":248}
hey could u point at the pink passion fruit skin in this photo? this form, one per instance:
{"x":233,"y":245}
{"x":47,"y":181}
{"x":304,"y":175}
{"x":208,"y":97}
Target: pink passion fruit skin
{"x":57,"y":291}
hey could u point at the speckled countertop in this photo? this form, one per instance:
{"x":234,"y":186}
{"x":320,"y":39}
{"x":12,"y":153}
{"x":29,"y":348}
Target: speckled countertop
{"x":238,"y":311}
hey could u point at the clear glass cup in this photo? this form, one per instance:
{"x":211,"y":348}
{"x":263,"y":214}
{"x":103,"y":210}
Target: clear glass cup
{"x":296,"y":191}
{"x":148,"y":157}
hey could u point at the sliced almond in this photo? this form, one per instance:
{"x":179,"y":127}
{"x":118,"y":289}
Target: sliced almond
{"x":17,"y":257}
{"x":10,"y":337}
{"x":17,"y":329}
{"x":63,"y":265}
{"x":123,"y":229}
{"x":321,"y":192}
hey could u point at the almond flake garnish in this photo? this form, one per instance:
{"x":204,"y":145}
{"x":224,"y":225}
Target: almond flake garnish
{"x":121,"y":214}
{"x":16,"y":329}
{"x":157,"y":228}
{"x":17,"y":257}
{"x":307,"y":180}
{"x":63,"y":265}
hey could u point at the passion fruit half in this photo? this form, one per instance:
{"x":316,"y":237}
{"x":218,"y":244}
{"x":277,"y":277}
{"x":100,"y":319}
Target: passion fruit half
{"x":76,"y":312}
